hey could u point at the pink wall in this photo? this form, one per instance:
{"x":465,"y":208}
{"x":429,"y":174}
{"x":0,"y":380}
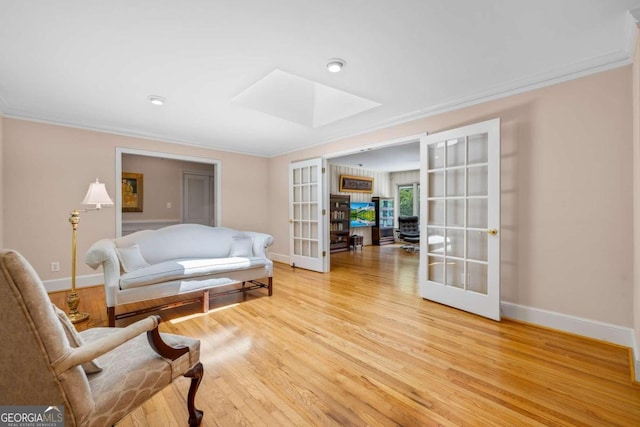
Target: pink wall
{"x":566,"y":230}
{"x":47,"y":170}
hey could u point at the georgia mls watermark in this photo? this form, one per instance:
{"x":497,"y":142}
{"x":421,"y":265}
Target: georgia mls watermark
{"x":32,"y":416}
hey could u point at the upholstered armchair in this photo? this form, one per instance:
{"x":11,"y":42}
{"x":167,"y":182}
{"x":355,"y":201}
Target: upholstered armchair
{"x":99,"y":375}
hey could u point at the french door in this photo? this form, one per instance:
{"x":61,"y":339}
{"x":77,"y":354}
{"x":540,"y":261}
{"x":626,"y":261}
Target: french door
{"x":306,"y":215}
{"x":460,"y":218}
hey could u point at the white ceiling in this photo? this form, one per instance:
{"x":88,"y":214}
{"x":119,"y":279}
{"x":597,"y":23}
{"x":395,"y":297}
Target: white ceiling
{"x":392,"y":158}
{"x":94,"y":63}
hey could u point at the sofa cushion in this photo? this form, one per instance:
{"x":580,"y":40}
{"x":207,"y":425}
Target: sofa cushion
{"x":241,"y":246}
{"x":186,"y":269}
{"x":131,"y":258}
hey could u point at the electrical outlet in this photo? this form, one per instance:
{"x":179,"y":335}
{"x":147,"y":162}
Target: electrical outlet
{"x":169,"y":205}
{"x":55,"y":266}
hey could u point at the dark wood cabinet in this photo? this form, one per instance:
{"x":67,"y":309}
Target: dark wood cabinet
{"x":339,"y":220}
{"x":382,"y":232}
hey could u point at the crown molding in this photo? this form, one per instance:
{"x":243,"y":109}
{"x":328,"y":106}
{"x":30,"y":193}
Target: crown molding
{"x":28,"y":116}
{"x":631,"y":30}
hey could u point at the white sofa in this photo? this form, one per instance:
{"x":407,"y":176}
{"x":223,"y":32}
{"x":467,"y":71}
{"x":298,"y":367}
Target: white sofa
{"x":180,"y":259}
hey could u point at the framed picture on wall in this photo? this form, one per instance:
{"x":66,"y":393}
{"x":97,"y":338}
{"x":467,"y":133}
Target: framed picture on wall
{"x":132,"y":192}
{"x":356,"y":184}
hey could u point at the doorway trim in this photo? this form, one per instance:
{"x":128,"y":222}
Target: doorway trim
{"x":118,"y":173}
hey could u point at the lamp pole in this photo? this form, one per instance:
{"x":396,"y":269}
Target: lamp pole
{"x":74,"y":315}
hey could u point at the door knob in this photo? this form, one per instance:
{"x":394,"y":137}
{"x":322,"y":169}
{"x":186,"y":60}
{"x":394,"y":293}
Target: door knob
{"x":492,"y":231}
{"x":290,"y":221}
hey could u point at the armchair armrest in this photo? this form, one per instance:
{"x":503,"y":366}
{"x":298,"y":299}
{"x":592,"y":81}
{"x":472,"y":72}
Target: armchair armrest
{"x":93,"y":349}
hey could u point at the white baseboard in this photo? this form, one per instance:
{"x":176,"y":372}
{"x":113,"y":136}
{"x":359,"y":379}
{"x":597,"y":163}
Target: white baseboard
{"x":575,"y":325}
{"x":285,"y":259}
{"x":64,"y":284}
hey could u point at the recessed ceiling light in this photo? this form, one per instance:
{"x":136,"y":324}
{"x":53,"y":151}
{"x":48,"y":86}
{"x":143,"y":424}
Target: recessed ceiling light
{"x":157,"y":100}
{"x":335,"y":64}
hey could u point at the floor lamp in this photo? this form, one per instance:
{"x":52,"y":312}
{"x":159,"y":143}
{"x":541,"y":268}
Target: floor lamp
{"x":96,"y":195}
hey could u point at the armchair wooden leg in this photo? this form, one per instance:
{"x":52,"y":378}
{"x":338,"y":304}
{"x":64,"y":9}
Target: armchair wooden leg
{"x":195,"y":373}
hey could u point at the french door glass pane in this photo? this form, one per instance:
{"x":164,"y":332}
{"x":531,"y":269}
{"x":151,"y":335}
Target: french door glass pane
{"x":435,"y":239}
{"x":436,"y":212}
{"x":477,"y":213}
{"x":477,"y":245}
{"x":477,"y":181}
{"x":478,"y":149}
{"x":436,"y":156}
{"x":436,"y":184}
{"x":455,"y":152}
{"x":455,"y":182}
{"x":455,"y":212}
{"x":477,"y":277}
{"x":455,"y":273}
{"x":435,"y":269}
{"x":455,"y":243}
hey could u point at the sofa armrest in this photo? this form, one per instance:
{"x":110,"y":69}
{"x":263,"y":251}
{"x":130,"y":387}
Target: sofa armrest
{"x":261,"y":243}
{"x":89,"y":351}
{"x":103,"y":253}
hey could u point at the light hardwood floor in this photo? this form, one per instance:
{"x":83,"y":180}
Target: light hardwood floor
{"x":358,"y":346}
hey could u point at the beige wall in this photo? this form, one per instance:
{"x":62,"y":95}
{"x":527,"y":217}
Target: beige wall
{"x":567,"y":191}
{"x":162,"y":184}
{"x":48,"y":168}
{"x":566,"y":229}
{"x":2,"y":171}
{"x":636,"y":197}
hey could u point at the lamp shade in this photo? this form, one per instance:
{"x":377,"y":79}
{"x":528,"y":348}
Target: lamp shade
{"x":97,"y":195}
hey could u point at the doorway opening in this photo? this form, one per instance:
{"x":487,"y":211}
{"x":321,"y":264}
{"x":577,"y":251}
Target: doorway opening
{"x":390,"y":164}
{"x":164,"y":189}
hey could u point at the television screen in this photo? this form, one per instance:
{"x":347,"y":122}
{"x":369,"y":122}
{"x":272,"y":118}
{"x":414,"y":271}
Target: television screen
{"x":363,"y":214}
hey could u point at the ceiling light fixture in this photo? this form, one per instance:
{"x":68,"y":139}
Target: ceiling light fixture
{"x":335,"y":65}
{"x":157,"y":100}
